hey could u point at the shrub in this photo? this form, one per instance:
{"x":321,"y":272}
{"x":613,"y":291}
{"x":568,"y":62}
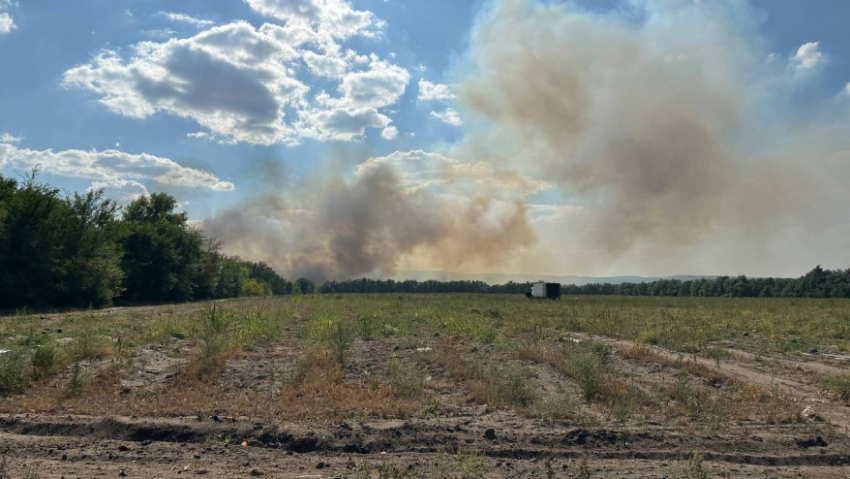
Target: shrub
{"x":75,"y":386}
{"x":45,"y":360}
{"x":89,"y":344}
{"x":13,"y":373}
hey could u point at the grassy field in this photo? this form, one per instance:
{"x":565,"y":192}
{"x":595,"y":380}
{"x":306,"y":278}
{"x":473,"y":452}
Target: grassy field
{"x":590,"y":362}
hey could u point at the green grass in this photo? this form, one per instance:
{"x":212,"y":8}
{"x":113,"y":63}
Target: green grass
{"x":839,"y":384}
{"x":13,"y":372}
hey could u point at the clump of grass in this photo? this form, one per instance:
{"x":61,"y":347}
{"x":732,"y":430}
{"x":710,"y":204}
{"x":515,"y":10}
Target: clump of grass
{"x":75,"y":385}
{"x":839,"y":384}
{"x":489,"y":383}
{"x":470,"y":465}
{"x":215,"y":344}
{"x":13,"y":373}
{"x":584,"y":470}
{"x":334,"y":334}
{"x":317,"y":390}
{"x":408,"y":380}
{"x":556,"y":407}
{"x":695,"y":469}
{"x":89,"y":344}
{"x":45,"y":360}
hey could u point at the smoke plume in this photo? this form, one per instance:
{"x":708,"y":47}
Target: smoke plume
{"x":364,"y":226}
{"x":670,"y":132}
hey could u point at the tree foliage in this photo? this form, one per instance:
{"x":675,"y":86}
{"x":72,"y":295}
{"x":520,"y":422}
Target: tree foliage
{"x":60,"y":249}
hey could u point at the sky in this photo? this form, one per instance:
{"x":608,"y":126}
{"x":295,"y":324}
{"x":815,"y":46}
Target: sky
{"x":349,"y":138}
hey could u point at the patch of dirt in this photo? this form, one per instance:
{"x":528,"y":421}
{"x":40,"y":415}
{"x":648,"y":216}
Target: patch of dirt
{"x":265,"y":370}
{"x":809,"y":396}
{"x":151,"y":370}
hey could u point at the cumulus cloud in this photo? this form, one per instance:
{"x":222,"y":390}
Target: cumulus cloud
{"x":183,"y":18}
{"x":332,"y":18}
{"x":434,"y":91}
{"x":10,"y":138}
{"x":110,"y":167}
{"x":809,"y":56}
{"x":7,"y":23}
{"x":244,"y":84}
{"x":389,"y":133}
{"x":449,"y":116}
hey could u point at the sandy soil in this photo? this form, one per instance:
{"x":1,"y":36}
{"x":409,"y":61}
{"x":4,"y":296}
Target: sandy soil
{"x":457,"y":439}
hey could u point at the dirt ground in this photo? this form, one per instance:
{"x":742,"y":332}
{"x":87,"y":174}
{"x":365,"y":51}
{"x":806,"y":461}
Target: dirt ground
{"x":455,"y":438}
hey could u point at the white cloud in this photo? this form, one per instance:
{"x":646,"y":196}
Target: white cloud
{"x":390,"y":133}
{"x":434,"y":91}
{"x":449,"y":116}
{"x":198,"y":134}
{"x":123,"y":191}
{"x":230,"y":79}
{"x":382,"y":85}
{"x":847,"y":88}
{"x":183,"y":18}
{"x":243,"y":84}
{"x":341,"y":124}
{"x":10,"y":138}
{"x":809,"y":56}
{"x":7,"y":23}
{"x":331,"y":18}
{"x":110,"y":167}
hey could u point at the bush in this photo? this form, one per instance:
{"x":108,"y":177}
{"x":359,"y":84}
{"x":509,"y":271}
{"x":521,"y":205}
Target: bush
{"x":13,"y":373}
{"x":89,"y":344}
{"x":45,"y":359}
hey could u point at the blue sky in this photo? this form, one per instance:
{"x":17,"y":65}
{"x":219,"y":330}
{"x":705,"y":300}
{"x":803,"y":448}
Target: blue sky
{"x":146,"y":95}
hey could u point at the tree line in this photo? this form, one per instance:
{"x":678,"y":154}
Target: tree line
{"x":72,"y":249}
{"x":818,"y":283}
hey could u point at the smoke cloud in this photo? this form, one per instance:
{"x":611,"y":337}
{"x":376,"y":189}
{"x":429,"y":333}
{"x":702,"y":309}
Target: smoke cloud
{"x":666,"y":119}
{"x":364,"y":226}
{"x":665,"y":133}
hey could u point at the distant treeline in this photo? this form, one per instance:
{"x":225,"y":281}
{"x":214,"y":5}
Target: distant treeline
{"x":61,"y":249}
{"x":818,"y":283}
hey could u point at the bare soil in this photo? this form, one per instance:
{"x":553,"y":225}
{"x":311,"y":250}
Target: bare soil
{"x":454,"y":438}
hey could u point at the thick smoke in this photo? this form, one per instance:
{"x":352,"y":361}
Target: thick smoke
{"x":671,"y":133}
{"x":637,"y":116}
{"x":364,"y":226}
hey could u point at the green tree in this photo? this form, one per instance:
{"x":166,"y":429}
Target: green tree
{"x":161,"y":251}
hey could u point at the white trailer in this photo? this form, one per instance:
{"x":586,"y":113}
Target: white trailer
{"x":544,"y":291}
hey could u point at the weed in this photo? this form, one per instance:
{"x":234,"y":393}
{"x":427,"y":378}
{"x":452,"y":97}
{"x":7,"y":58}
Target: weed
{"x":717,"y":354}
{"x":839,"y":384}
{"x":217,"y":440}
{"x":32,"y":338}
{"x":695,"y":470}
{"x":13,"y":373}
{"x":408,"y":380}
{"x":470,"y":465}
{"x":76,"y":384}
{"x":584,"y":470}
{"x":45,"y":359}
{"x":89,"y":344}
{"x":215,"y":344}
{"x":556,"y":407}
